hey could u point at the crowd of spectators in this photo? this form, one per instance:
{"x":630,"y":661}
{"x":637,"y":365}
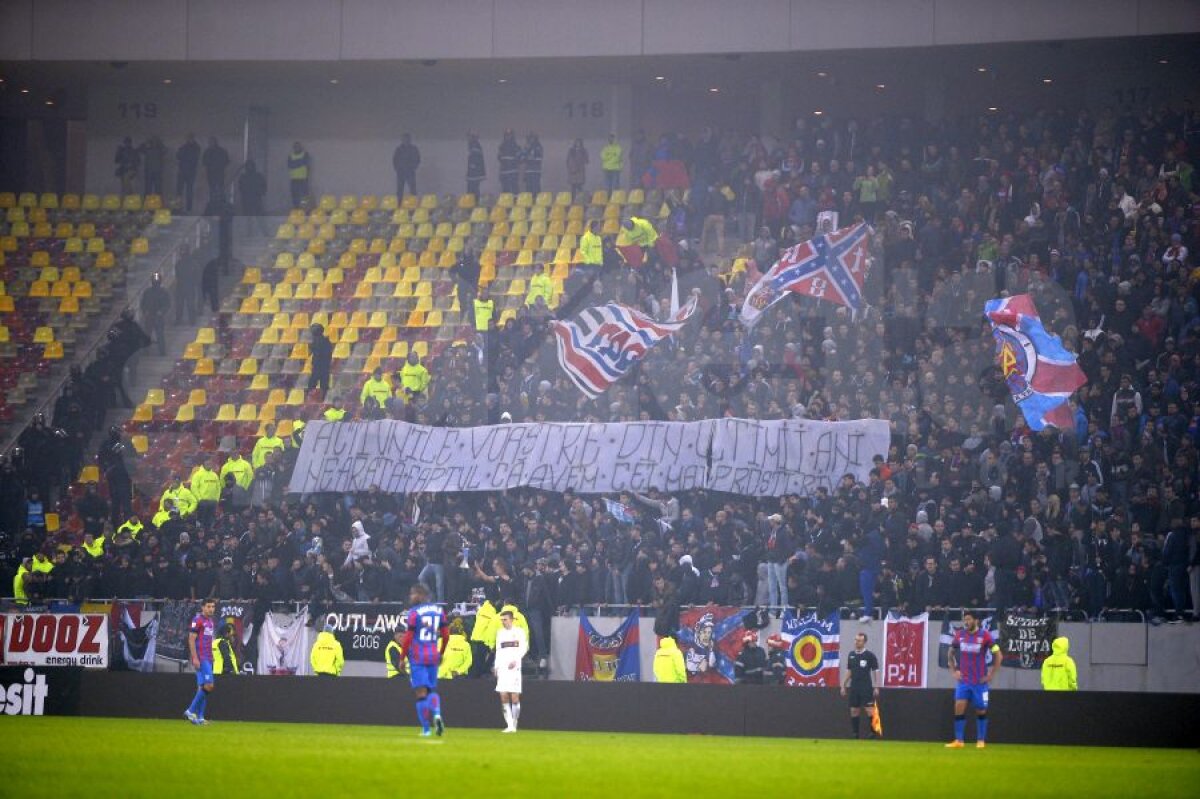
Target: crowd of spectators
{"x":1093,"y":214}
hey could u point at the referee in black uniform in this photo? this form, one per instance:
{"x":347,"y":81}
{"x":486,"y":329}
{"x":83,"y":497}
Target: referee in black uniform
{"x":861,"y":683}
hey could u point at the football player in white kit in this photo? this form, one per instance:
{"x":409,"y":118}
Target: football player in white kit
{"x":511,"y":646}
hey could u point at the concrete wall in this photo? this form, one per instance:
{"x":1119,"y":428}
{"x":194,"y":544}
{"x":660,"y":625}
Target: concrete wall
{"x":1017,"y":717}
{"x":351,"y":131}
{"x":1109,"y":657}
{"x":330,"y":30}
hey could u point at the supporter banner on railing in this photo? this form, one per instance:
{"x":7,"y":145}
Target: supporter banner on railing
{"x":812,"y":645}
{"x":240,"y":616}
{"x":609,"y":658}
{"x":946,"y":638}
{"x":284,"y":644}
{"x":55,"y":639}
{"x":1025,"y":639}
{"x":364,"y":632}
{"x":174,"y":623}
{"x":757,"y":458}
{"x":711,"y":638}
{"x":905,"y":652}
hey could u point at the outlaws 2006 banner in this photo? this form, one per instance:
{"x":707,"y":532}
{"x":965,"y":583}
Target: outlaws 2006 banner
{"x":608,"y":658}
{"x":710,"y":638}
{"x":754,"y":458}
{"x":364,"y":632}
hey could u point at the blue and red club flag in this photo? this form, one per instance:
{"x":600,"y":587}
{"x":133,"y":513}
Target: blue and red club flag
{"x":608,"y":658}
{"x":813,"y":646}
{"x":1039,"y":371}
{"x":604,"y":343}
{"x":710,"y":638}
{"x":830,"y":267}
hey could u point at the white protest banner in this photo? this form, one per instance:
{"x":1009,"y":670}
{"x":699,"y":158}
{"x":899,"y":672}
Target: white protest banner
{"x":793,"y":456}
{"x":736,"y":455}
{"x":591,"y":458}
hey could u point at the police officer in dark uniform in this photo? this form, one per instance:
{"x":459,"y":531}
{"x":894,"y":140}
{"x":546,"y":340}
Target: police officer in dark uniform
{"x":112,"y":455}
{"x":861,"y":684}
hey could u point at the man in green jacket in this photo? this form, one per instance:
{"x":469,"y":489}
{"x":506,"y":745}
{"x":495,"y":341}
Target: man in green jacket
{"x":1058,"y":670}
{"x":668,"y":662}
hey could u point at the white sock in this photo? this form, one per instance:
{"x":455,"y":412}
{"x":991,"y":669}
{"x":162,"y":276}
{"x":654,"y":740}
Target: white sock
{"x":516,"y":712}
{"x":508,"y":717}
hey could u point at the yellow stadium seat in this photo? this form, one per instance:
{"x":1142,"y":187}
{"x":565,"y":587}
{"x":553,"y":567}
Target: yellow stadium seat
{"x":197,"y":396}
{"x":162,"y":216}
{"x":53,"y":351}
{"x":89,"y":474}
{"x":7,"y":199}
{"x":105,"y":260}
{"x":433,"y":318}
{"x":153,"y":202}
{"x":95,"y":245}
{"x":416,"y":319}
{"x":193,"y":351}
{"x":111,"y":202}
{"x":131,"y":202}
{"x":186,"y":413}
{"x":68,"y":305}
{"x":295,"y":397}
{"x":27,"y":199}
{"x":327,"y":203}
{"x":155,"y":397}
{"x":53,"y":523}
{"x":143,"y":413}
{"x":60,"y":288}
{"x":421,"y":348}
{"x":39,"y":288}
{"x":82,"y":290}
{"x":226,"y":413}
{"x":400,"y":349}
{"x":248,"y":367}
{"x":516,"y":288}
{"x":5,"y":337}
{"x":70,"y":202}
{"x":260,"y":382}
{"x":140,"y":246}
{"x":140,"y":443}
{"x":91,"y":202}
{"x":204,"y":367}
{"x":43,"y":335}
{"x":73,"y":245}
{"x":248,"y":412}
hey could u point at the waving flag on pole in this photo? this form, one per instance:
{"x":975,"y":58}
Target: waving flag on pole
{"x":606,"y":341}
{"x":831,"y":267}
{"x":1039,"y":371}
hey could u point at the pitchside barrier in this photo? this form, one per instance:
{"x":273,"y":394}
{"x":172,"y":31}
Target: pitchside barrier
{"x":1099,"y":719}
{"x":151,"y":636}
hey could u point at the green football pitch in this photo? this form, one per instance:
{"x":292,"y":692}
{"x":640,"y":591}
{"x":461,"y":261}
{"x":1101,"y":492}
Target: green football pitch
{"x":90,"y":757}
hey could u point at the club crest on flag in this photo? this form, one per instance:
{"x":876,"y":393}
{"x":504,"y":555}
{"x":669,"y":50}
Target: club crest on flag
{"x":1040,"y":373}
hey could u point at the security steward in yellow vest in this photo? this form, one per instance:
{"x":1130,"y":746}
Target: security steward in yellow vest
{"x":93,"y":546}
{"x":376,"y":391}
{"x":414,"y":377}
{"x":393,"y":656}
{"x":334,"y":414}
{"x":131,"y":528}
{"x":240,"y":468}
{"x":541,"y":285}
{"x":485,"y":309}
{"x":224,"y":654}
{"x":23,"y":572}
{"x":326,"y":657}
{"x":297,"y":437}
{"x":298,"y":164}
{"x":456,"y":659}
{"x":266,"y":444}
